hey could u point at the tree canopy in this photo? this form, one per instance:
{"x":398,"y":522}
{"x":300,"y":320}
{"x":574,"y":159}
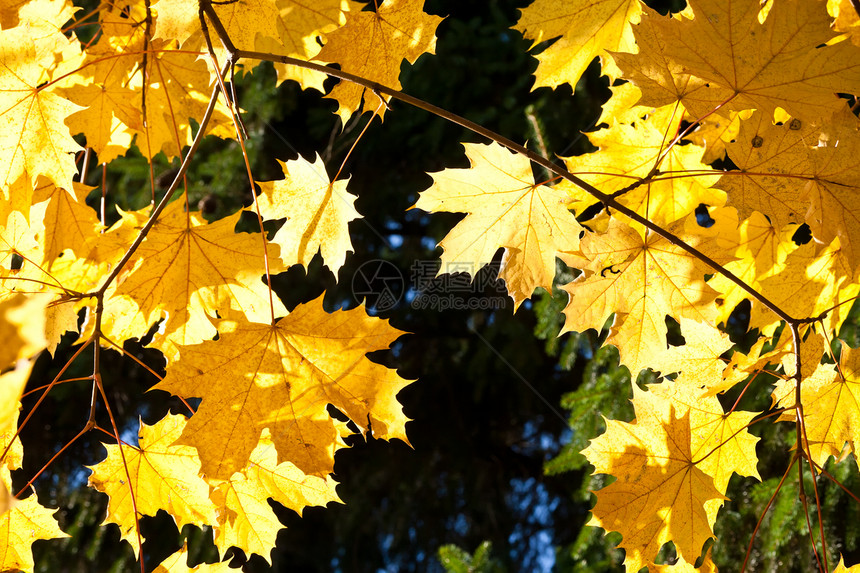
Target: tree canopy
{"x":235,"y":205}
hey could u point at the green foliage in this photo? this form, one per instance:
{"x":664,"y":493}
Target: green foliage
{"x":456,"y":560}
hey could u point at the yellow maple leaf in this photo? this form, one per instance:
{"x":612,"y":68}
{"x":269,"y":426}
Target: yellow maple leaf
{"x":800,"y":172}
{"x":787,"y":61}
{"x":282,"y":377}
{"x":699,"y":359}
{"x":588,"y":29}
{"x":25,"y":523}
{"x":842,"y":568}
{"x":35,"y":140}
{"x":22,"y":327}
{"x":373,"y":45}
{"x":160,"y":475}
{"x":178,"y":563}
{"x":846,"y":18}
{"x":188,"y":270}
{"x":660,"y":493}
{"x":300,"y":25}
{"x":812,"y":281}
{"x":317,"y":213}
{"x":830,"y":399}
{"x":243,"y":21}
{"x":180,"y":88}
{"x":627,"y":153}
{"x":505,"y":209}
{"x":641,"y":280}
{"x":760,"y":249}
{"x":719,"y":441}
{"x":69,"y":222}
{"x":245,"y":518}
{"x":101,"y":84}
{"x":12,"y":383}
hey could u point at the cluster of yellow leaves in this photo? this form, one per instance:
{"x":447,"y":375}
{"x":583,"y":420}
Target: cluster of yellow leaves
{"x":266,"y":379}
{"x":759,"y":86}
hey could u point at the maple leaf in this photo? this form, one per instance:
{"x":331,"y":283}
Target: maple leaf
{"x":282,"y":376}
{"x":374,"y":44}
{"x":22,"y":327}
{"x":177,"y":563}
{"x":800,"y":172}
{"x":35,"y":140}
{"x":812,"y":281}
{"x":660,"y":493}
{"x":830,"y":398}
{"x":180,"y":89}
{"x":25,"y":523}
{"x":505,"y":209}
{"x":245,"y":518}
{"x":841,"y":568}
{"x":846,"y":18}
{"x":69,"y":222}
{"x":179,"y":19}
{"x":300,"y":25}
{"x":159,"y":475}
{"x":641,"y":280}
{"x":188,"y":271}
{"x":317,"y":213}
{"x":628,"y":153}
{"x":761,"y":251}
{"x":101,"y":85}
{"x":588,"y":29}
{"x":719,"y":440}
{"x":699,"y":358}
{"x":786,"y":61}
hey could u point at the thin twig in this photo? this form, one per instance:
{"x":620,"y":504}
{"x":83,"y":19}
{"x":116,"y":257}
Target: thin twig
{"x":604,"y":198}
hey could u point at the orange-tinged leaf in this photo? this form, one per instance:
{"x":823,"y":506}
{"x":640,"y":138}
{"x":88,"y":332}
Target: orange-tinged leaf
{"x":782,"y":62}
{"x":317,"y":211}
{"x":373,"y":45}
{"x":25,"y":523}
{"x":588,"y":29}
{"x":282,"y":377}
{"x":660,"y":493}
{"x":505,"y":209}
{"x":162,"y":476}
{"x":188,"y":271}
